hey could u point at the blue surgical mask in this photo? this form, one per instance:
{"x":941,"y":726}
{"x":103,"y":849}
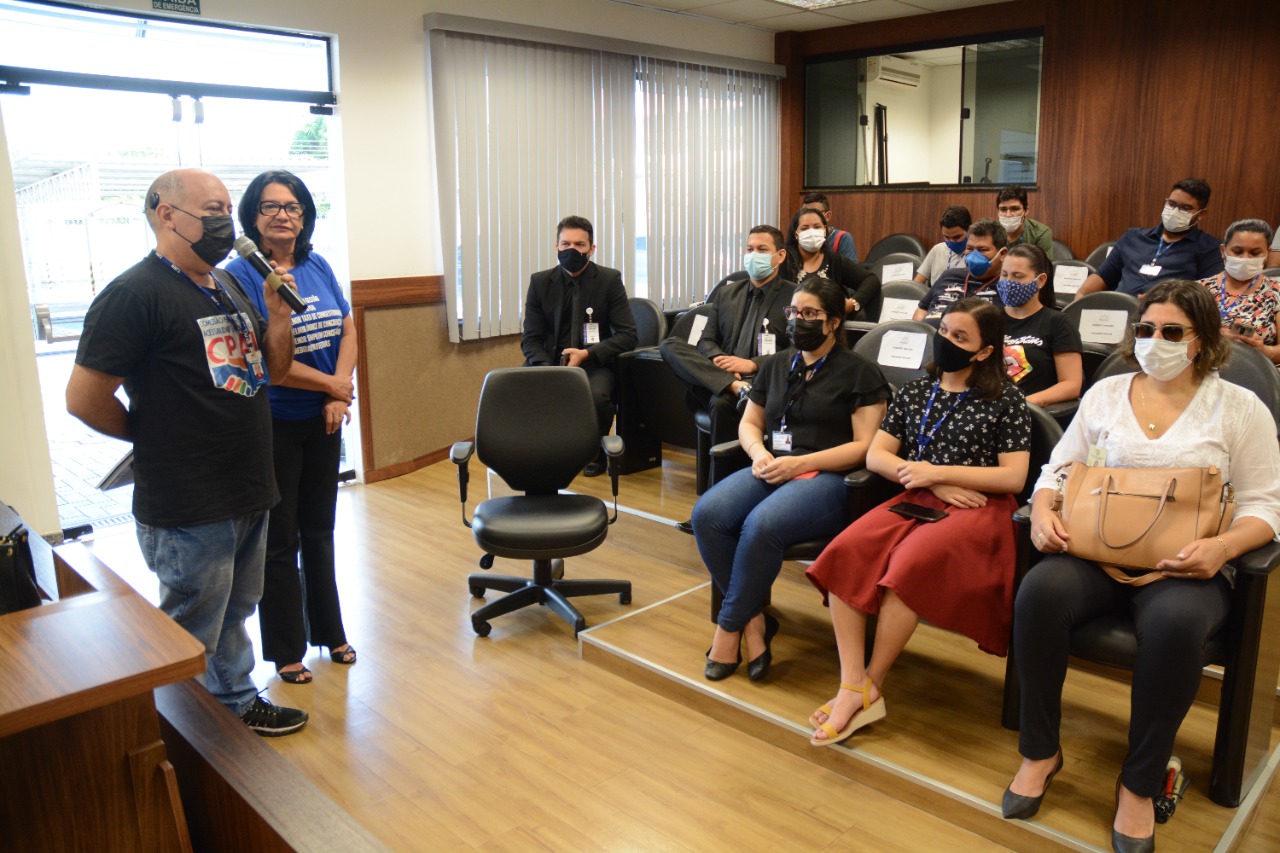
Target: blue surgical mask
{"x":758,"y":265}
{"x":977,"y":263}
{"x":1016,"y":294}
{"x":956,"y":246}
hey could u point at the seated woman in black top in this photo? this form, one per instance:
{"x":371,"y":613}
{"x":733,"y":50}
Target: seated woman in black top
{"x":806,"y":259}
{"x":812,"y":413}
{"x":1041,"y":347}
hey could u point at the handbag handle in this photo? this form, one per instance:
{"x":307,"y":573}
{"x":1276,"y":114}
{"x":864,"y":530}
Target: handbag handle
{"x":1102,"y":512}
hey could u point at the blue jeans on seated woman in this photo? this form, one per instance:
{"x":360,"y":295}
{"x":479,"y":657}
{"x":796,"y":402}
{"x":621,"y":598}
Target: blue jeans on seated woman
{"x":743,"y":525}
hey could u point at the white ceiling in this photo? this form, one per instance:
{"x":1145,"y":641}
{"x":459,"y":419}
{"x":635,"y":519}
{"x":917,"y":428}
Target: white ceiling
{"x":779,"y":17}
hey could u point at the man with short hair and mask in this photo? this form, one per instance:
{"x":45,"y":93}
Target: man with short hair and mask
{"x":1176,"y":248}
{"x":745,"y":324}
{"x":577,"y":315}
{"x":1011,"y":210}
{"x":983,"y":259}
{"x":193,"y":353}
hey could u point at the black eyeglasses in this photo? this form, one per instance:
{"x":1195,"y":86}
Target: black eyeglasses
{"x":791,"y":312}
{"x":1173,"y":332}
{"x":271,"y":208}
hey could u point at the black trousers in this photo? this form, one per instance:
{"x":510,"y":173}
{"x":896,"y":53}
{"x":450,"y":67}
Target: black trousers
{"x":1174,"y":618}
{"x":301,"y":606}
{"x":708,"y":384}
{"x":602,"y":381}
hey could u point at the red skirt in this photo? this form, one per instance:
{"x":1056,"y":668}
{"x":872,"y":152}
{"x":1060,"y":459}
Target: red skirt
{"x":956,"y":573}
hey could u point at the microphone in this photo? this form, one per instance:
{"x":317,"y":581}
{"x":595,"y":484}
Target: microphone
{"x":249,"y":251}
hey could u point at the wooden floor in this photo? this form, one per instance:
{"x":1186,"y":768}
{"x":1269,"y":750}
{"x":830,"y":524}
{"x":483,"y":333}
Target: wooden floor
{"x":439,"y":740}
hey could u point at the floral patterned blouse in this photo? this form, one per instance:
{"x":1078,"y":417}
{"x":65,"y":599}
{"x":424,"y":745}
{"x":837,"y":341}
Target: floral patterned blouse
{"x":1255,"y":308}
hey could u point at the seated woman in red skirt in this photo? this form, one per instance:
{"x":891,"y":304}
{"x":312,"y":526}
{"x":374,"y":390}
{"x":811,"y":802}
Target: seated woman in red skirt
{"x":959,"y":440}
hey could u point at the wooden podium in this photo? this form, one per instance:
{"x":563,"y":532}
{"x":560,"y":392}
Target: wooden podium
{"x":84,"y":767}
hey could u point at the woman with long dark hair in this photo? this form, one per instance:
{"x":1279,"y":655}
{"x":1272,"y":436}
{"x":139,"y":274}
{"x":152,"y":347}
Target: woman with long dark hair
{"x":807,"y":258}
{"x":810,"y":417}
{"x":308,"y":408}
{"x":959,"y":441}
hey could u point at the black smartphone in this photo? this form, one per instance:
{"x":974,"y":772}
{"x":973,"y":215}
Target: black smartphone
{"x":919,"y":513}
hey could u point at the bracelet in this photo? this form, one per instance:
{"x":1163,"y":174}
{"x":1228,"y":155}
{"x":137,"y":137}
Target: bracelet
{"x":749,"y":446}
{"x":1225,"y":552}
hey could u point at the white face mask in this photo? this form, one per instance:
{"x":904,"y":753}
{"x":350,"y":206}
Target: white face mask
{"x":812,"y":240}
{"x":1012,"y":223}
{"x":1176,"y":221}
{"x":1161,"y":359}
{"x":1243,"y":269}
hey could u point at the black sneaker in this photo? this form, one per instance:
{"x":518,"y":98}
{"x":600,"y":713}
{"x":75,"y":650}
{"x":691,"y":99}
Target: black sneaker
{"x":273,"y":720}
{"x":595,"y":469}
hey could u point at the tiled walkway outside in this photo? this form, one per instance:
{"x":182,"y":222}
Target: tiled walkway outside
{"x":80,"y":456}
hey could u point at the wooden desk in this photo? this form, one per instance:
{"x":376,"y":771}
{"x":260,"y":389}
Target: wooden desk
{"x":84,"y":765}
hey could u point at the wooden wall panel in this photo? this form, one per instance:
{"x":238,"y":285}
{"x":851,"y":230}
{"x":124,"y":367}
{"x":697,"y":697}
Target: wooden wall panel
{"x":1135,"y":96}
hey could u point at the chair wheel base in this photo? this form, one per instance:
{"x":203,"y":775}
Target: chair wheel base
{"x":477,"y":592}
{"x":624,"y":597}
{"x":486,"y":562}
{"x":481,"y":628}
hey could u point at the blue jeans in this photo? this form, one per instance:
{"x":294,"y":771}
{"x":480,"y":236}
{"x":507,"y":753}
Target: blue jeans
{"x":210,"y":582}
{"x":743,"y":525}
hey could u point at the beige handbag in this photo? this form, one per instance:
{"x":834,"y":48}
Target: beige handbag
{"x":1132,"y":518}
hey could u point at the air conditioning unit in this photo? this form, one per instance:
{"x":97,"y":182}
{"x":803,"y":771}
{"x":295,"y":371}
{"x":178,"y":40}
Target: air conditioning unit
{"x":889,"y":69}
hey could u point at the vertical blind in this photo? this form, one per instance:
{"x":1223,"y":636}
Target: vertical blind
{"x":526,"y":134}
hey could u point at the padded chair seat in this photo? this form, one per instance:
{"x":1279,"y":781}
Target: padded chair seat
{"x":538,"y":527}
{"x":1110,"y":640}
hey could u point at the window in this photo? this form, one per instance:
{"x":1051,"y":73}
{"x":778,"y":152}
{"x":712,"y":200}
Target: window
{"x":952,"y":115}
{"x":672,"y":162}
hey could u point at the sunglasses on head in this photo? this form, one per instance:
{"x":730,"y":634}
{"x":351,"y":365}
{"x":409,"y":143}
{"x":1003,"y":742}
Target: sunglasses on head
{"x":1173,"y":332}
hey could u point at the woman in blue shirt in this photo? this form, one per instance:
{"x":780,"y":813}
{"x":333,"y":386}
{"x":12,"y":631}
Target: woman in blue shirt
{"x":308,"y":407}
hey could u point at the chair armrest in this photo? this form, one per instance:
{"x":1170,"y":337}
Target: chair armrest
{"x":726,"y":448}
{"x":461,"y":452}
{"x":862,"y":478}
{"x":612,"y":444}
{"x":1063,"y":410}
{"x":1259,"y":561}
{"x":1022,"y":515}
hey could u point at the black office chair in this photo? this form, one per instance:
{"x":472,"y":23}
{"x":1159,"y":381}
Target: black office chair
{"x":1272,"y":272}
{"x":898,"y":375}
{"x":1093,"y":350}
{"x":894,"y":259}
{"x":1098,"y":255}
{"x":536,"y":429}
{"x":1063,"y":295}
{"x":1247,"y":648}
{"x":651,"y":324}
{"x":908,"y":243}
{"x":1062,"y":252}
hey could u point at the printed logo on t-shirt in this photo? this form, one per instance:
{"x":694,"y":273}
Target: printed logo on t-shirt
{"x":1015,"y":361}
{"x":225,"y":353}
{"x":316,"y":330}
{"x":954,"y":293}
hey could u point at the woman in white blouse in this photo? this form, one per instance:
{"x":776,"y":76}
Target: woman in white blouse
{"x":1176,"y":412}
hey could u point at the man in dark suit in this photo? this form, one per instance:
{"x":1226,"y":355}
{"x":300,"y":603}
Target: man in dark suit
{"x":744,"y":325}
{"x":577,"y":315}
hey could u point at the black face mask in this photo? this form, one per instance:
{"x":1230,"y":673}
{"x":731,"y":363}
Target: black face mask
{"x":806,"y":335}
{"x":950,"y":356}
{"x":572,"y":260}
{"x":217,"y":240}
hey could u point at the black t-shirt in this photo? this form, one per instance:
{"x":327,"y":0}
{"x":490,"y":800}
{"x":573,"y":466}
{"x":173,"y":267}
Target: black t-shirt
{"x":974,"y":432}
{"x":1029,"y":346}
{"x":820,"y":416}
{"x":202,"y":447}
{"x":952,"y":286}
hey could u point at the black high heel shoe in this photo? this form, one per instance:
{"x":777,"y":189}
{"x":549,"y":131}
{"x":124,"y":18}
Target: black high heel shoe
{"x":1017,"y":807}
{"x":1122,"y":843}
{"x":757,"y":669}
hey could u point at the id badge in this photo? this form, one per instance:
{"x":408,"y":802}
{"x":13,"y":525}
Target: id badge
{"x":1150,"y":269}
{"x":766,"y":343}
{"x":781,"y":442}
{"x":1097,"y":457}
{"x":590,"y":333}
{"x":254,"y":359}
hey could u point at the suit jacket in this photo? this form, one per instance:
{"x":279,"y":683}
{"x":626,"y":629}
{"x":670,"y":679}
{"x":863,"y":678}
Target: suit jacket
{"x":725,"y":322}
{"x":598,"y":288}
